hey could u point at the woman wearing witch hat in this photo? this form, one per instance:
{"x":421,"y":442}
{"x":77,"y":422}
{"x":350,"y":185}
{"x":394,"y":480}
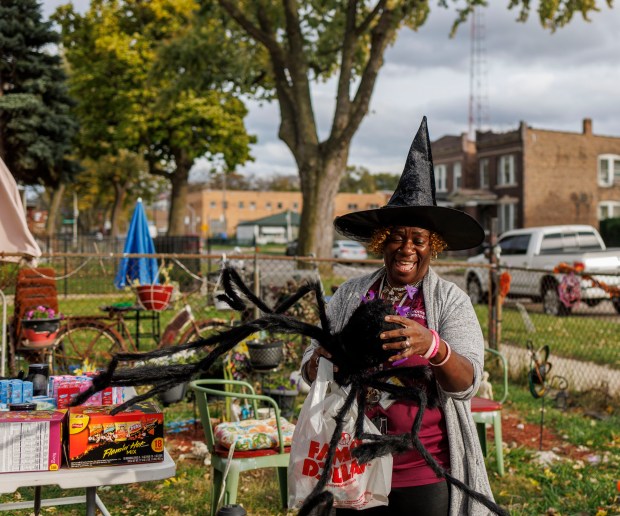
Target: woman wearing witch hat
{"x":437,"y":329}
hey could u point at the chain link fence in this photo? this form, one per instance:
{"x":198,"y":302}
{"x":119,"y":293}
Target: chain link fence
{"x":582,"y":332}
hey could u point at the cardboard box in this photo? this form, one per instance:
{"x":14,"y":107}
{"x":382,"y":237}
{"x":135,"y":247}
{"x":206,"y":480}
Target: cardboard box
{"x":96,"y":438}
{"x":31,"y":441}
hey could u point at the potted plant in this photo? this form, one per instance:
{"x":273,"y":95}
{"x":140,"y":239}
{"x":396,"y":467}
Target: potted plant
{"x":283,"y":390}
{"x":177,"y":392}
{"x":156,"y":296}
{"x":40,"y":326}
{"x":265,"y":353}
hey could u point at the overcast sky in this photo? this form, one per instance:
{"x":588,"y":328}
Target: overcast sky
{"x":550,"y":81}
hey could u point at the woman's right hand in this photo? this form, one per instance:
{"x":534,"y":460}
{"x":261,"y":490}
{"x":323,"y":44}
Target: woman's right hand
{"x":312,"y":365}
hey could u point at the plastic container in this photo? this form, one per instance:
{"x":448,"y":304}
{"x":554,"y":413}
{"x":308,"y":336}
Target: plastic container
{"x":38,"y":374}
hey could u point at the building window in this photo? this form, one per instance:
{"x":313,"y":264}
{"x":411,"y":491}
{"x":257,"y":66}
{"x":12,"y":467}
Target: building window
{"x":456,"y":179}
{"x":252,"y":205}
{"x":441,"y":181}
{"x":240,"y":205}
{"x":352,"y":206}
{"x":483,"y":168}
{"x":373,"y":206}
{"x":295,"y":206}
{"x":212,"y":204}
{"x":280,"y":205}
{"x":506,"y":217}
{"x":268,"y":205}
{"x":608,"y":210}
{"x":506,"y":171}
{"x":608,"y":169}
{"x":225,"y":205}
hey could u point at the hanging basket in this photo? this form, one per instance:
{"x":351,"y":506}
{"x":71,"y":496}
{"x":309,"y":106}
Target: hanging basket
{"x":39,"y":333}
{"x":154,"y":297}
{"x":265,"y":355}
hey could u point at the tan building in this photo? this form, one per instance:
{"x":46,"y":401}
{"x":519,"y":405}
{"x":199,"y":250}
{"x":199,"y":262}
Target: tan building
{"x":530,"y":177}
{"x":213,"y":212}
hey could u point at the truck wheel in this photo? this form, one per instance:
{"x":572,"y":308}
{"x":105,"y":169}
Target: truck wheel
{"x":551,"y":301}
{"x":616,"y":303}
{"x":474,"y":291}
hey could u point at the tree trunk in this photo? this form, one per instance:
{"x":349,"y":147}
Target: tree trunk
{"x":320,"y":186}
{"x":52,"y":214}
{"x":178,"y":195}
{"x":120,"y":193}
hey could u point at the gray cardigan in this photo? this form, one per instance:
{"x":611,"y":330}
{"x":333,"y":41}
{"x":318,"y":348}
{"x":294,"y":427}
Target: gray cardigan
{"x":450,"y":312}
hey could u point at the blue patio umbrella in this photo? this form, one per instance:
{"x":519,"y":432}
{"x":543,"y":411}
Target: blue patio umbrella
{"x":138,"y":241}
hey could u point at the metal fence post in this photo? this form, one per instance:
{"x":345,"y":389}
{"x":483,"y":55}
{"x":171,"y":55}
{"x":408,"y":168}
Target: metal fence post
{"x":493,"y":288}
{"x":256,"y":284}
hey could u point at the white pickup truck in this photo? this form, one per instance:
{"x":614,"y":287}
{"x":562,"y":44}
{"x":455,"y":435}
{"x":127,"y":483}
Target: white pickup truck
{"x":532,"y":254}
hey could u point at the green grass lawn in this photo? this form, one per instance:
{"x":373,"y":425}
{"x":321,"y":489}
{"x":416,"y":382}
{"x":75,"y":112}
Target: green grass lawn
{"x":582,"y":485}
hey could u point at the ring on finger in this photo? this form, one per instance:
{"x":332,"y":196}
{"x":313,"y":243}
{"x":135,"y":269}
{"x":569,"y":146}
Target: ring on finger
{"x":407,"y":344}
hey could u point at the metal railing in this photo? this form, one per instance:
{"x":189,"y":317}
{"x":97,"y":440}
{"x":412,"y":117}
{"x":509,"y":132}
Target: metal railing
{"x":583,"y":340}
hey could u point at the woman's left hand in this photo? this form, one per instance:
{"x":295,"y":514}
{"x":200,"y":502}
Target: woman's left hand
{"x":413,"y":338}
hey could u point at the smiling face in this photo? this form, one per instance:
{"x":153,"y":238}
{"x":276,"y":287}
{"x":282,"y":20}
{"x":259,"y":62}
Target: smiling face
{"x":407,"y":254}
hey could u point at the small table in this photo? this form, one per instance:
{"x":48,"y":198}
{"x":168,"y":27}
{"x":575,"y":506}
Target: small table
{"x":139,"y":314}
{"x":89,"y":478}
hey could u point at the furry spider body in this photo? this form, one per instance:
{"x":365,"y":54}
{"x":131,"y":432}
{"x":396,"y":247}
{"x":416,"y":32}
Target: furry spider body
{"x":356,"y":350}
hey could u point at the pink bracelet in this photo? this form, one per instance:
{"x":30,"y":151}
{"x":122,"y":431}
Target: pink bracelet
{"x":443,"y":362}
{"x":434,"y":347}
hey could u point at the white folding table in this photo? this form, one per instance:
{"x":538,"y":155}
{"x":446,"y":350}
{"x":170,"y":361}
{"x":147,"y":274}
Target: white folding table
{"x":88,"y":478}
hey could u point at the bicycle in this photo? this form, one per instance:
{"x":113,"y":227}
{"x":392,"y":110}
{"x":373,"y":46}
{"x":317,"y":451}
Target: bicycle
{"x":98,"y":337}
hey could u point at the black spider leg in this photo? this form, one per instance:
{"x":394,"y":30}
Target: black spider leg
{"x":230,"y":276}
{"x":402,"y":443}
{"x":175,"y":374}
{"x":319,"y":496}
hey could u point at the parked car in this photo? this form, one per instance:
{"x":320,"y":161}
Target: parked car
{"x":349,"y":249}
{"x":535,"y":252}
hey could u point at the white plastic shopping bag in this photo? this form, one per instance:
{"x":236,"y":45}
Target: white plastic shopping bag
{"x":354,"y":486}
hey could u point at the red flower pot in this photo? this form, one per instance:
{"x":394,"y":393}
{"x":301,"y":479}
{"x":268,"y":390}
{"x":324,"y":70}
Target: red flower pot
{"x":154,"y":297}
{"x":39,"y":333}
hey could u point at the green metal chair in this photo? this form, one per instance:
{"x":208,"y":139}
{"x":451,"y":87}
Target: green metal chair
{"x":241,"y":460}
{"x":486,"y":411}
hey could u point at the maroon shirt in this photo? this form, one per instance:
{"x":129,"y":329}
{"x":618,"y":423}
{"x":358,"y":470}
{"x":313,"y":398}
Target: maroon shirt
{"x":410,"y":468}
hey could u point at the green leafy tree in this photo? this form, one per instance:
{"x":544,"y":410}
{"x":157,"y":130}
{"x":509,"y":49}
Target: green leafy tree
{"x":126,"y":101}
{"x":108,"y":187}
{"x":36,"y":124}
{"x":386,"y":181}
{"x":318,"y":39}
{"x":357,"y":179}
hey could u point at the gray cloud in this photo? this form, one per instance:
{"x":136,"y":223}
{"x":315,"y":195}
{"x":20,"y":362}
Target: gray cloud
{"x":550,"y":81}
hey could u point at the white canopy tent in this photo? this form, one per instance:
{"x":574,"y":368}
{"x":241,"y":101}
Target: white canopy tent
{"x":16,"y":241}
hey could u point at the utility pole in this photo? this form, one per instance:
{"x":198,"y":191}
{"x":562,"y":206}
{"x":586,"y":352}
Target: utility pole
{"x":494,"y":321}
{"x":478,"y":87}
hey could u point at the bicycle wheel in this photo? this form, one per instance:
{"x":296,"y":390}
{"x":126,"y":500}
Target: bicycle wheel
{"x":88,"y":339}
{"x":203,"y":329}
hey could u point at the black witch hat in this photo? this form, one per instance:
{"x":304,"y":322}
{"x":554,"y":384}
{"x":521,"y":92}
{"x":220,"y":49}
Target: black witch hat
{"x":413,"y":204}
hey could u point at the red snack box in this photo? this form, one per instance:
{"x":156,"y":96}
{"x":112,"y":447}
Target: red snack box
{"x":97,"y":438}
{"x":31,"y":441}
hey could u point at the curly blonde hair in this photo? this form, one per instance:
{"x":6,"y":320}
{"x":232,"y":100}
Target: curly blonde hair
{"x":380,"y":235}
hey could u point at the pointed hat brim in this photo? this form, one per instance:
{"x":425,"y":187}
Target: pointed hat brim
{"x":413,"y":204}
{"x":457,"y":228}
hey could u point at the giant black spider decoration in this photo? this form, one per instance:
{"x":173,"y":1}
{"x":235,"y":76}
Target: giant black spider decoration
{"x":355,"y":350}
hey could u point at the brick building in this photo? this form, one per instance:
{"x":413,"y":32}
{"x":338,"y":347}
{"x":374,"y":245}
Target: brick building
{"x":530,"y":177}
{"x":213,"y":212}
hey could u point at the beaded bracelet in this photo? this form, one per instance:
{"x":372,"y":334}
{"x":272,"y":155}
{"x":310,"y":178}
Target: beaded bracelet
{"x":443,"y":362}
{"x":434,"y":348}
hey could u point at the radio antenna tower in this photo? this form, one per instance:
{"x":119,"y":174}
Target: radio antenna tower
{"x":478,"y":94}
